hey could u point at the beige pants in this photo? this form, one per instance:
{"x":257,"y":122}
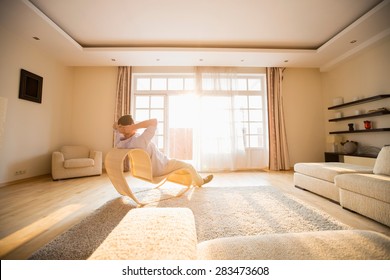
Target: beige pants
{"x":175,"y":164}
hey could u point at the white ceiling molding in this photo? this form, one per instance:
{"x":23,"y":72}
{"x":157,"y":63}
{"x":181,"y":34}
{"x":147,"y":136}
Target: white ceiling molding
{"x":24,"y":19}
{"x":52,"y":24}
{"x":377,"y":38}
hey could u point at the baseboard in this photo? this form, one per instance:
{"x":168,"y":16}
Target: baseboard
{"x":31,"y":179}
{"x":23,"y":180}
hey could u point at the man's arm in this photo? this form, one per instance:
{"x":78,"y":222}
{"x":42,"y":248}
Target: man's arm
{"x":143,"y":124}
{"x":133,"y":127}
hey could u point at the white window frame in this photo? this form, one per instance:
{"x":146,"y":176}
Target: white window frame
{"x":166,"y":92}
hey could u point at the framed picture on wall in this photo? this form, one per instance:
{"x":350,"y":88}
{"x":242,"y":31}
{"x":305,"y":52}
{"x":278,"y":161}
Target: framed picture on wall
{"x":30,"y":87}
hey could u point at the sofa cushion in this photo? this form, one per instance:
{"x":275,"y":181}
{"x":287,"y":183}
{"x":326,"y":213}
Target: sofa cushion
{"x":151,"y":234}
{"x":321,"y":245}
{"x":317,"y":186}
{"x":70,"y":152}
{"x":328,"y":170}
{"x":382,"y":163}
{"x":370,"y":185}
{"x":79,"y":162}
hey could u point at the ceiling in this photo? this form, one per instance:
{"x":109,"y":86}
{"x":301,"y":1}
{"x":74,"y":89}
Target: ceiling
{"x":252,"y":33}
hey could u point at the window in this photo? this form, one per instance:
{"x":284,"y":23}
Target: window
{"x":248,"y":105}
{"x":152,"y":96}
{"x":150,"y":107}
{"x":232,"y":106}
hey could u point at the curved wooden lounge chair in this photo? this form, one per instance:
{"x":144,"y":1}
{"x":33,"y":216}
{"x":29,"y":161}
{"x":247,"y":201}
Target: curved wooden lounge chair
{"x":141,"y":168}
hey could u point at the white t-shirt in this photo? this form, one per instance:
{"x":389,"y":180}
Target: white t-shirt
{"x":144,"y":141}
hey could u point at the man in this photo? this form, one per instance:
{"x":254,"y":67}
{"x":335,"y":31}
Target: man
{"x":161,"y":164}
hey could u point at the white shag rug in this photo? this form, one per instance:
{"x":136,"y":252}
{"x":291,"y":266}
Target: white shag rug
{"x":218,"y":211}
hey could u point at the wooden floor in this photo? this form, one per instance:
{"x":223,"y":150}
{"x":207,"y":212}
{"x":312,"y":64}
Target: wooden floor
{"x":35,"y":211}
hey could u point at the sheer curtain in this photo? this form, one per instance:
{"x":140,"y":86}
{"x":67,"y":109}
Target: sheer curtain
{"x":219,"y":130}
{"x":278,"y":150}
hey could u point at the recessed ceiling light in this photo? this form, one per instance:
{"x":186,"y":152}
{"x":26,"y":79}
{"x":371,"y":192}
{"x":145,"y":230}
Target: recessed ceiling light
{"x":201,"y":59}
{"x":353,"y":41}
{"x":36,"y":38}
{"x":286,"y":60}
{"x":242,"y":60}
{"x":113,"y":59}
{"x":157,"y":59}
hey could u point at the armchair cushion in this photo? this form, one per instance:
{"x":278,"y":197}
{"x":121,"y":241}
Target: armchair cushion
{"x":78,"y":162}
{"x":71,"y":152}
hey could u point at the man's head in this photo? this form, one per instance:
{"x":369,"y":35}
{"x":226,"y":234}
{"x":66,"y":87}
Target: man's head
{"x":125,"y":120}
{"x":123,"y":126}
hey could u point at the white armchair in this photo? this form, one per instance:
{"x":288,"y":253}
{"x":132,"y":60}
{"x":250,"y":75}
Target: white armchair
{"x":75,"y":161}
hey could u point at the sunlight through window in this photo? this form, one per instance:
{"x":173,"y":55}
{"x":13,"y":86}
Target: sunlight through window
{"x":226,"y":116}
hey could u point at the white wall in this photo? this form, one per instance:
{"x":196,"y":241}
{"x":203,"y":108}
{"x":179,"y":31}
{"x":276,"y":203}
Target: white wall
{"x":365,"y":75}
{"x":307,"y":93}
{"x":93,"y":106}
{"x":31,"y":131}
{"x":303,"y":103}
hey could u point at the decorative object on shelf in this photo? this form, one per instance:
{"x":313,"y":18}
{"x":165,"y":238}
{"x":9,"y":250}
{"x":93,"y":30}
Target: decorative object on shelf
{"x":349,"y":147}
{"x":367,"y":124}
{"x":350,"y":127}
{"x":378,"y":110}
{"x":369,"y":151}
{"x":338,"y":101}
{"x":333,"y":143}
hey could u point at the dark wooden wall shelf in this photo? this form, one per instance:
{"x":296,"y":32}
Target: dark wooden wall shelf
{"x":361,"y":131}
{"x":367,"y":115}
{"x":360,"y":101}
{"x":379,"y":112}
{"x":335,"y":157}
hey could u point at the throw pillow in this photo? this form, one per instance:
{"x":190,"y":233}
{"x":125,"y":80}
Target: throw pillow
{"x":382,"y":163}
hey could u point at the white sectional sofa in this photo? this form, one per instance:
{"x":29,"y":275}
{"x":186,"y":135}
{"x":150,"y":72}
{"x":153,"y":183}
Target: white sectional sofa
{"x":358,"y":188}
{"x":170,"y":234}
{"x":319,"y":177}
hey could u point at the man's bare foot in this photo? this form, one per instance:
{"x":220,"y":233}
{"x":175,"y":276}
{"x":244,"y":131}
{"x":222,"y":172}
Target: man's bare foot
{"x":207,"y":179}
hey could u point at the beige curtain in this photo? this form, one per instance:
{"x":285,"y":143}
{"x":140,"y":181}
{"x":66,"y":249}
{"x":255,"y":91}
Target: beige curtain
{"x":122,"y":101}
{"x":278,"y":148}
{"x":123,"y":91}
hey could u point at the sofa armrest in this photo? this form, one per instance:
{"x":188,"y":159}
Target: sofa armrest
{"x":97,"y":156}
{"x":57,"y":164}
{"x":94,"y":154}
{"x":57,"y":157}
